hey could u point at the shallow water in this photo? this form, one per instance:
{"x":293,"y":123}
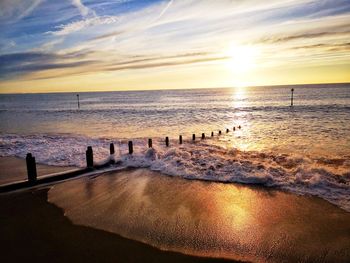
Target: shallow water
{"x":304,"y":149}
{"x":208,"y":219}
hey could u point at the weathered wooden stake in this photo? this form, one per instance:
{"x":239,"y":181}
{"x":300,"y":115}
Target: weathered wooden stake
{"x":131,"y":149}
{"x":239,"y":127}
{"x":234,"y":128}
{"x":31,"y":168}
{"x":203,"y":136}
{"x":180,"y":139}
{"x":219,"y":132}
{"x":227,"y":130}
{"x":193,"y":137}
{"x":78,"y":101}
{"x":167,"y":141}
{"x":89,"y":157}
{"x":111,"y":148}
{"x":291,"y":98}
{"x":212,"y":134}
{"x":149,"y":143}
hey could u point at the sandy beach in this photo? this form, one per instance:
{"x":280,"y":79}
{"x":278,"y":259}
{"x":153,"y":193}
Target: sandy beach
{"x":33,"y":230}
{"x":98,"y":218}
{"x":14,"y":169}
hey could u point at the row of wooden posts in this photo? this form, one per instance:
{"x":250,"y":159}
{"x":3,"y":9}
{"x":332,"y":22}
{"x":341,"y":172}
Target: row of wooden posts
{"x":31,"y":164}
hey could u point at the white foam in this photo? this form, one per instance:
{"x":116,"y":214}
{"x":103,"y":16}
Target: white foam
{"x":203,"y":160}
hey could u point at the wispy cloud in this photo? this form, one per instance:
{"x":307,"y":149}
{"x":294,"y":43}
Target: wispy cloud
{"x":82,"y":8}
{"x":83,"y":24}
{"x":79,"y":37}
{"x":14,"y":10}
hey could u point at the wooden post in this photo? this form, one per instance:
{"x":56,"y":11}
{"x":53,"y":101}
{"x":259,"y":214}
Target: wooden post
{"x":89,"y":157}
{"x":193,"y":137}
{"x":78,"y":101}
{"x":234,"y":128}
{"x":239,"y":127}
{"x":219,"y":132}
{"x":227,"y":130}
{"x":291,"y":98}
{"x":167,"y":141}
{"x":203,"y":136}
{"x":31,"y":168}
{"x":149,"y":143}
{"x":180,"y":139}
{"x":111,"y":148}
{"x":212,"y":134}
{"x":131,"y":148}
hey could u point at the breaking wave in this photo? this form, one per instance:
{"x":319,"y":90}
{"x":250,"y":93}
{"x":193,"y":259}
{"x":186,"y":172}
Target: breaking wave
{"x":327,"y":178}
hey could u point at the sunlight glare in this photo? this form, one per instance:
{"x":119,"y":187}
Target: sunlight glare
{"x":242,"y":59}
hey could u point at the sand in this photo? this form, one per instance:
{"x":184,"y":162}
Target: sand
{"x":13,"y":169}
{"x":104,"y":215}
{"x":249,"y":223}
{"x":33,"y":230}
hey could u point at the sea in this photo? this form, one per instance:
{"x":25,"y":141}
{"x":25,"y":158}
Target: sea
{"x":303,"y":149}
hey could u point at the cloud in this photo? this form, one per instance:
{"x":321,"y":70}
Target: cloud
{"x":22,"y":63}
{"x":17,"y":64}
{"x":83,"y":24}
{"x":332,"y":47}
{"x":97,"y":36}
{"x":84,"y":11}
{"x":14,"y":10}
{"x":286,"y":38}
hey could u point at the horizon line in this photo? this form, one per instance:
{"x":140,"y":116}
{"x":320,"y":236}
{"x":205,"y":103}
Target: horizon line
{"x":165,"y":89}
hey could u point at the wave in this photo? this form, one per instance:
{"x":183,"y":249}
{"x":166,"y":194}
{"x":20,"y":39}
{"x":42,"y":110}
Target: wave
{"x":210,"y":160}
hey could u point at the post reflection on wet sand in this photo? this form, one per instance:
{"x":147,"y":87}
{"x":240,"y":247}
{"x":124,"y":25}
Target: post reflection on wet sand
{"x":206,"y":218}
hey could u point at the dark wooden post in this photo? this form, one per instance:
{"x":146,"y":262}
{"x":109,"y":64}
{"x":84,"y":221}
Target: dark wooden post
{"x":31,"y":168}
{"x":131,"y":148}
{"x":149,"y":143}
{"x":89,"y":157}
{"x":203,"y":136}
{"x":219,"y":132}
{"x":193,"y":137}
{"x":239,"y":127}
{"x":212,"y":134}
{"x":167,"y":141}
{"x":227,"y":130}
{"x":292,"y":97}
{"x":180,"y":139}
{"x":234,"y":128}
{"x":111,"y":148}
{"x":78,"y":101}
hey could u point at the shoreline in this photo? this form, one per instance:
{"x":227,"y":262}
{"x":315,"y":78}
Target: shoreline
{"x":37,"y":214}
{"x":42,"y":233}
{"x":14,"y":169}
{"x":208,"y":219}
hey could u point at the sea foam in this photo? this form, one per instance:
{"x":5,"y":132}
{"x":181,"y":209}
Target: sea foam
{"x":327,"y":178}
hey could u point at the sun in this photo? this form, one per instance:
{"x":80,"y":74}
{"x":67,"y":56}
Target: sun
{"x":241,"y":59}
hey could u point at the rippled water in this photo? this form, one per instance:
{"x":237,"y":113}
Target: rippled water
{"x":304,"y":149}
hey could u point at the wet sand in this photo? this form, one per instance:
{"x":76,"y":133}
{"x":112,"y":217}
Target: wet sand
{"x":32,"y":230}
{"x":98,"y":219}
{"x":208,"y":219}
{"x":14,"y":169}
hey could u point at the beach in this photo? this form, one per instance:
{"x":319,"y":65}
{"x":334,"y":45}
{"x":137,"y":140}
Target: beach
{"x":97,"y":218}
{"x":259,"y":181}
{"x":14,"y":169}
{"x":175,"y":131}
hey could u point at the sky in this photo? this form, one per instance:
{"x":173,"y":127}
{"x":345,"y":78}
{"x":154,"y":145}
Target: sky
{"x":90,"y":45}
